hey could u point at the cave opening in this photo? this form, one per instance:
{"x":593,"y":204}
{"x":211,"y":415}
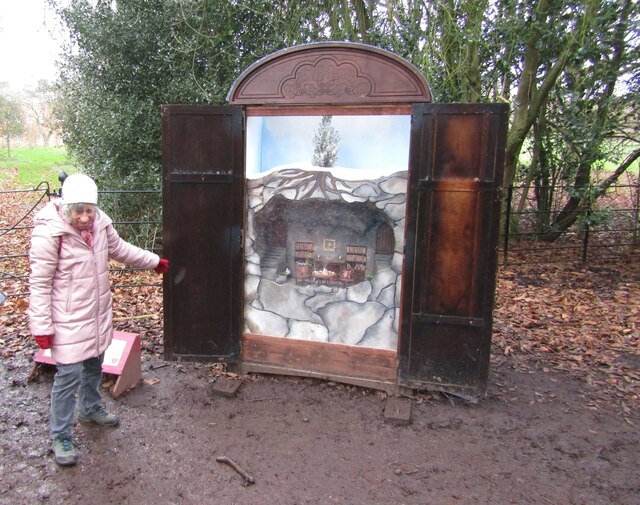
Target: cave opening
{"x":318,"y":235}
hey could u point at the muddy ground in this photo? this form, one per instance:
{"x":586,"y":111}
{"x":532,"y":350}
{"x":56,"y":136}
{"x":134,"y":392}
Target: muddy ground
{"x":559,"y":424}
{"x":541,"y":436}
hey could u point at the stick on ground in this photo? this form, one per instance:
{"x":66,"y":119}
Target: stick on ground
{"x":234,"y":465}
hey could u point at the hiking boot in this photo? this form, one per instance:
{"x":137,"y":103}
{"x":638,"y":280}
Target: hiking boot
{"x":64,"y":451}
{"x":101,"y":417}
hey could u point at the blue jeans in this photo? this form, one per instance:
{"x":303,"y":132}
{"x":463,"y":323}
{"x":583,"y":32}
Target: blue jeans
{"x":71,"y":382}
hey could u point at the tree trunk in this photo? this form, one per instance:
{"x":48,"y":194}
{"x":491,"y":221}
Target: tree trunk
{"x":530,"y":99}
{"x":364,"y":20}
{"x":471,"y":63}
{"x":575,"y":206}
{"x":7,"y":139}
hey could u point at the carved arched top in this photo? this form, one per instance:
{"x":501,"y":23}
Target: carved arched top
{"x":330,"y":73}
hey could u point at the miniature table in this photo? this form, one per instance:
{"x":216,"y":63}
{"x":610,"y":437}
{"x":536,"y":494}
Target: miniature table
{"x":324,"y":276}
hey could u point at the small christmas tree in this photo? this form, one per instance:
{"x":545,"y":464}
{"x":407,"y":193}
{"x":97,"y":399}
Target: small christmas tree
{"x":325,"y":144}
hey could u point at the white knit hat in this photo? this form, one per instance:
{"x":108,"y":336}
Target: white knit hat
{"x":79,"y":188}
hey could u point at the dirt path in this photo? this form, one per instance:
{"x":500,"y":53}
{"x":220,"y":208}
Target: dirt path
{"x":561,"y":430}
{"x":540,"y":437}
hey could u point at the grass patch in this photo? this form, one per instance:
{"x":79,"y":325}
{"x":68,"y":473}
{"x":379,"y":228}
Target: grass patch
{"x":29,"y":166}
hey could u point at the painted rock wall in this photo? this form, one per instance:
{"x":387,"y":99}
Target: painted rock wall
{"x":365,"y":313}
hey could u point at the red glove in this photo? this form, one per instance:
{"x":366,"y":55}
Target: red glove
{"x":163,"y":266}
{"x":44,"y":341}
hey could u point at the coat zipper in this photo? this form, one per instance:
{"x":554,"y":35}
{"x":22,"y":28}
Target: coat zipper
{"x":97,"y":315}
{"x":97,"y":292}
{"x":70,"y":291}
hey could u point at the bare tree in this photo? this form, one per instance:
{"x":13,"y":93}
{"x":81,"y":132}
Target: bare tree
{"x":39,"y":106}
{"x":11,"y":120}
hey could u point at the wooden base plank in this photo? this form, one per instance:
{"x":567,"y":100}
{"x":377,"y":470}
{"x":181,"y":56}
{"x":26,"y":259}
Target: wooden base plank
{"x":388,"y":387}
{"x":363,"y":366}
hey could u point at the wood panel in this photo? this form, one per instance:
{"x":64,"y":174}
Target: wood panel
{"x":330,"y":73}
{"x":329,"y":110}
{"x":203,"y":209}
{"x":453,"y":212}
{"x":337,"y":360}
{"x":385,"y":240}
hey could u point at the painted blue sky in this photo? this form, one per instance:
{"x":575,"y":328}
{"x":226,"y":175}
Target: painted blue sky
{"x":366,"y":142}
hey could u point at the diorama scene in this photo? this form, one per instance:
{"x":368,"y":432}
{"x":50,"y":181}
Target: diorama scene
{"x":325,"y":227}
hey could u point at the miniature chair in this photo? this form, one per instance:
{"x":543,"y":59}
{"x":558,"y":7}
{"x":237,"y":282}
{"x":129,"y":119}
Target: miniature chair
{"x":303,"y":273}
{"x":345,"y":278}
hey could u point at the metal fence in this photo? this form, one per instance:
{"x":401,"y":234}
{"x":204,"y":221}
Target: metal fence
{"x":607,"y":230}
{"x":20,"y":206}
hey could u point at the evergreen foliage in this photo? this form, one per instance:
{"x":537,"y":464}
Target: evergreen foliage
{"x":569,"y":70}
{"x":127,"y":58}
{"x":326,"y":141}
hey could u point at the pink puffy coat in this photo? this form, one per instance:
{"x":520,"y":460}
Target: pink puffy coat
{"x":70,"y":292}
